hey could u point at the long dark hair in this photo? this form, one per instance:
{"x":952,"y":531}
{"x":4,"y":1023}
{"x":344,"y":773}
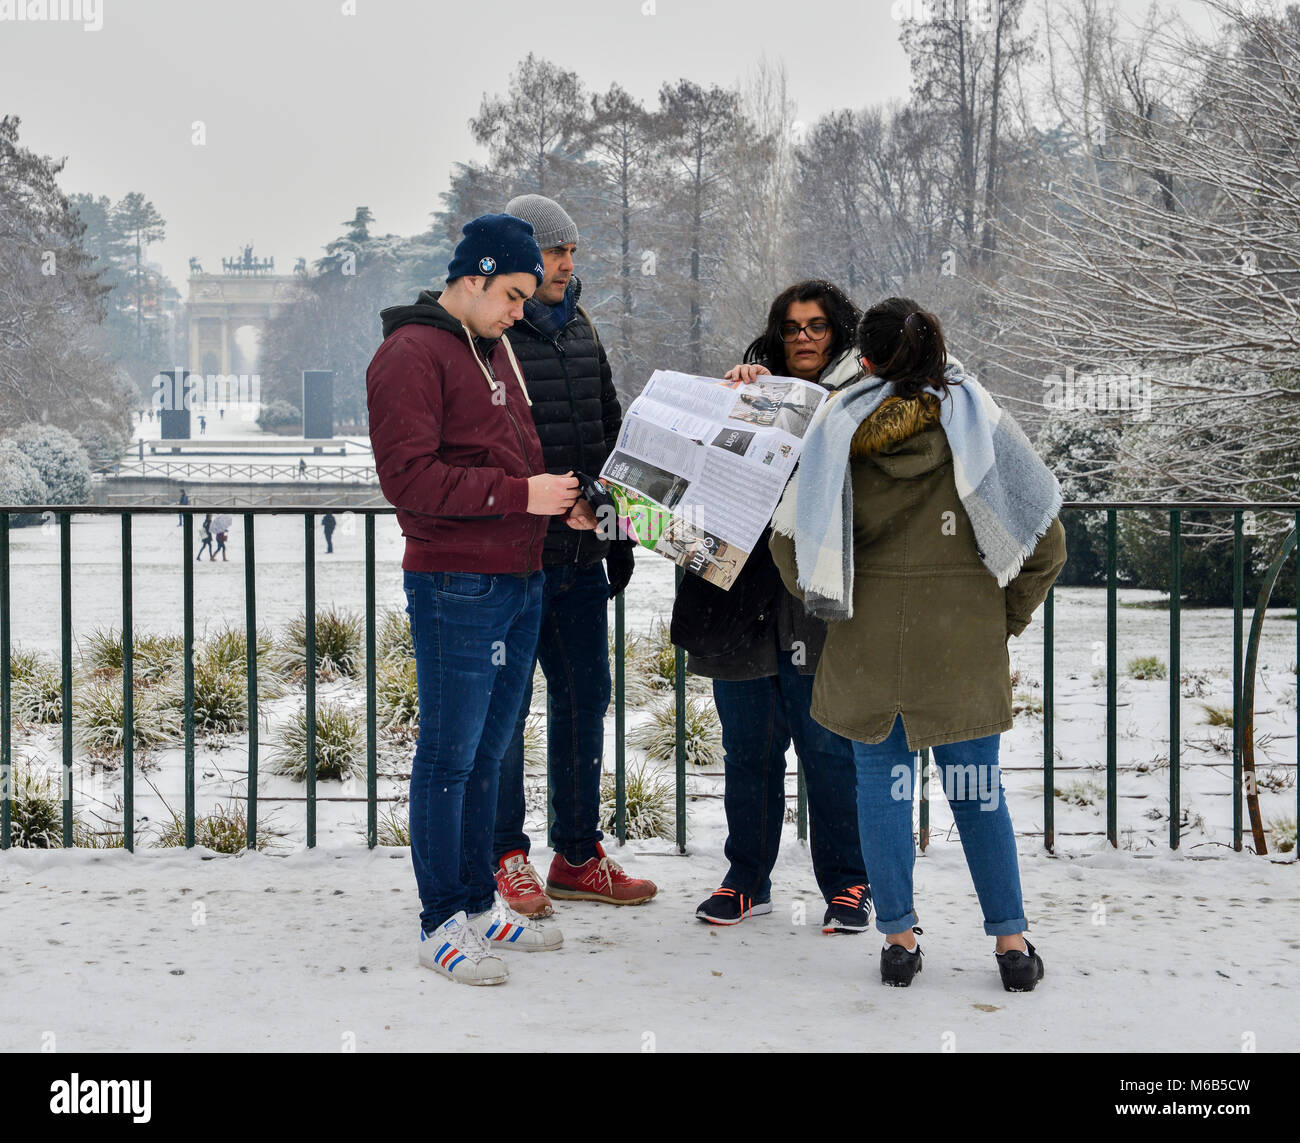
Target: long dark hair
{"x":768,"y":349}
{"x":905,"y":345}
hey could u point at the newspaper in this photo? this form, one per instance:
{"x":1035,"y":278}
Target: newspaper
{"x":701,"y":463}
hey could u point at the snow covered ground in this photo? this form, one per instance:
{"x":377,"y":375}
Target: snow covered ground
{"x":1145,"y":949}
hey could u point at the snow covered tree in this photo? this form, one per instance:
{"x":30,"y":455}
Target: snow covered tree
{"x":1080,"y":449}
{"x":20,"y":481}
{"x":60,"y":460}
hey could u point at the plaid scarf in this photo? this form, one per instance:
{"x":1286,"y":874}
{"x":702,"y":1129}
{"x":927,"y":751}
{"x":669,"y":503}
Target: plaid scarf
{"x":1009,"y":494}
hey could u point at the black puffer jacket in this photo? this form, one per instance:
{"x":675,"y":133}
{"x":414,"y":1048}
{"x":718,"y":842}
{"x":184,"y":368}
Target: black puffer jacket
{"x":576,"y":411}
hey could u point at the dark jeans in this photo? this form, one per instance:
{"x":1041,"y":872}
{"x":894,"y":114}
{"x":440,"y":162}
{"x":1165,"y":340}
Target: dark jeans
{"x":573,"y":649}
{"x":759,"y":719}
{"x":474,"y":638}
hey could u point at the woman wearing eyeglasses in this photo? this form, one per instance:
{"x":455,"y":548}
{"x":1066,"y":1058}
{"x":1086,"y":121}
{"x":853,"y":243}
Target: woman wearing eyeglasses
{"x":760,"y":649}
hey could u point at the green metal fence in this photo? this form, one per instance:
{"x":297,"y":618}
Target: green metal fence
{"x":1245,"y":653}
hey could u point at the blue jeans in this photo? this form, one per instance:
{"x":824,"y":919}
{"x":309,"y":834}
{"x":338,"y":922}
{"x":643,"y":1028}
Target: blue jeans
{"x":573,"y":649}
{"x":474,"y":638}
{"x":759,"y":719}
{"x":972,"y":783}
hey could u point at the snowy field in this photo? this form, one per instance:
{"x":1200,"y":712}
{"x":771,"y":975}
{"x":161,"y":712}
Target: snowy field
{"x":1145,"y":949}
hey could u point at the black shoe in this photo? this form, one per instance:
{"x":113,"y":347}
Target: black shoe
{"x":1020,"y":971}
{"x":898,"y":965}
{"x":849,"y":911}
{"x":730,"y":907}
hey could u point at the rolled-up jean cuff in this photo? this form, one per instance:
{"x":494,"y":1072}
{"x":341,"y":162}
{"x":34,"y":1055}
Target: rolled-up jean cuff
{"x":1006,"y":928}
{"x":901,"y":925}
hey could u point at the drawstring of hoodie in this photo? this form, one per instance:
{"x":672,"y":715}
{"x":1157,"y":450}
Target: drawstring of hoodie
{"x":487,"y":373}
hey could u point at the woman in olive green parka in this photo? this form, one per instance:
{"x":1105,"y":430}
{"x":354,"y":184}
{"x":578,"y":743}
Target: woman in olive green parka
{"x":920,"y":659}
{"x":929,"y":631}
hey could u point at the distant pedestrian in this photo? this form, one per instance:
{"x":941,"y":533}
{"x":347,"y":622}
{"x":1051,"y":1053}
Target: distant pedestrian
{"x":221,"y":526}
{"x":180,"y":517}
{"x":207,"y":539}
{"x":222,"y":411}
{"x":139,"y":416}
{"x":302,"y":468}
{"x":328,"y":524}
{"x":203,"y":425}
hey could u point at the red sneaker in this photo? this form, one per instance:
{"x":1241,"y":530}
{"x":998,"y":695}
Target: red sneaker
{"x":600,"y":878}
{"x":521,"y":888}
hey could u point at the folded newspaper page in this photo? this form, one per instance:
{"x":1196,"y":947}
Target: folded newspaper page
{"x":701,"y":463}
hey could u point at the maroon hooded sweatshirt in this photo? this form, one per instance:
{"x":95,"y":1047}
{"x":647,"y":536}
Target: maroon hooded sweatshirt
{"x":454,"y":444}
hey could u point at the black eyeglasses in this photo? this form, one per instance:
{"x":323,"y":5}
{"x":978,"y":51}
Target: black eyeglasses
{"x":815,"y":330}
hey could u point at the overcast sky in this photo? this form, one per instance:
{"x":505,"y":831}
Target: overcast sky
{"x":311,"y":111}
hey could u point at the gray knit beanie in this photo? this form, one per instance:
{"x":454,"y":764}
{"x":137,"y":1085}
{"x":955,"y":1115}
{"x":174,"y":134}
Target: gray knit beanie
{"x":551,"y":224}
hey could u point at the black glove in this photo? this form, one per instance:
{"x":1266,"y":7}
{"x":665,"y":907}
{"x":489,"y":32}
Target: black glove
{"x":620,"y":562}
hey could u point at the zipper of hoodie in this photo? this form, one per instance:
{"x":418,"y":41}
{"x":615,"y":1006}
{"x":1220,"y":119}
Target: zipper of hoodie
{"x":523,"y":451}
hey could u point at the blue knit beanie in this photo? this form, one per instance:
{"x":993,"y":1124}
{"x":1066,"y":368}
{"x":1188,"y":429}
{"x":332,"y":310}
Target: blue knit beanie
{"x":497,"y":244}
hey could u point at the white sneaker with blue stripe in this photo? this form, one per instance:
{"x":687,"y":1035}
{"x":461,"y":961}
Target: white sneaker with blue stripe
{"x":502,"y":928}
{"x":455,"y":949}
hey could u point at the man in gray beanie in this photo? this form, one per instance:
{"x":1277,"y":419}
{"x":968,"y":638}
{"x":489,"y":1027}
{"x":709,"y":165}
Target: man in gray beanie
{"x":577,"y":414}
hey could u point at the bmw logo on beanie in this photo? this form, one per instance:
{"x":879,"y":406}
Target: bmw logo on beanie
{"x":497,"y":244}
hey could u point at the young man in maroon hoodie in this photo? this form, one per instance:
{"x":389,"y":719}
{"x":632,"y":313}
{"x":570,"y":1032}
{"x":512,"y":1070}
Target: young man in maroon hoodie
{"x":458,"y":456}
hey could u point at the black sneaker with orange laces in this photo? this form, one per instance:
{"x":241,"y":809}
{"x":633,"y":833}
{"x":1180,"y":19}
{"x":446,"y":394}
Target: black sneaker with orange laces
{"x":729,"y":906}
{"x":849,"y":911}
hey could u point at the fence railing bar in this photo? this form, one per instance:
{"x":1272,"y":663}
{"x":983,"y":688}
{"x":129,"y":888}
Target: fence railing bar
{"x":372,"y":745}
{"x":1238,"y":609}
{"x":250,"y":658}
{"x":1175,"y":674}
{"x":1112,"y":681}
{"x":128,"y":692}
{"x":190,"y":559}
{"x":65,"y":632}
{"x":309,"y":557}
{"x":6,"y":708}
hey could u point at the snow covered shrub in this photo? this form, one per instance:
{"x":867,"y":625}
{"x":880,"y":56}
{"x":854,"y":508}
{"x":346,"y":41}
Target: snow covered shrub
{"x":653,"y":669}
{"x":1026,"y":702}
{"x":1147,"y":667}
{"x":36,"y":812}
{"x":157,"y":658}
{"x":220,"y":696}
{"x":224,"y":830}
{"x":658,"y":735}
{"x":393,"y":635}
{"x":535,"y":740}
{"x":397,"y":702}
{"x":279,"y":414}
{"x":104,"y":445}
{"x":99,"y":716}
{"x":650,"y":799}
{"x":23,"y":664}
{"x":1217,"y":715}
{"x":1080,"y":793}
{"x":59,"y":458}
{"x":1282,"y":833}
{"x":340,"y":641}
{"x":226,"y":649}
{"x":340,"y":744}
{"x":37,"y":696}
{"x":101,"y":651}
{"x":20,"y":482}
{"x":392,"y":827}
